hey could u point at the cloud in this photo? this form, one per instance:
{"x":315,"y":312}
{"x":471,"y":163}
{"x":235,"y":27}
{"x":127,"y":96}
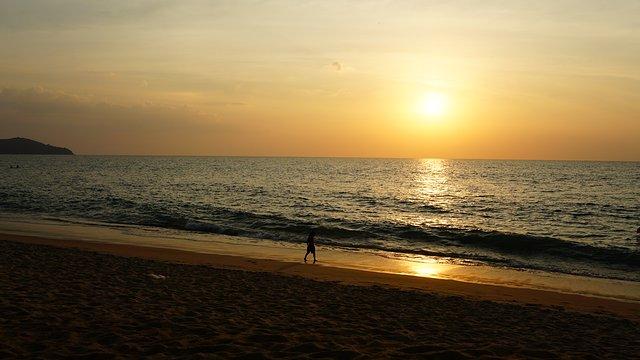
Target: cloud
{"x":36,"y":14}
{"x":339,"y":67}
{"x":38,"y":100}
{"x":91,"y":125}
{"x":23,"y":110}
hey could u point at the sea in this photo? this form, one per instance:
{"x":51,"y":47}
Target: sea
{"x":571,"y":217}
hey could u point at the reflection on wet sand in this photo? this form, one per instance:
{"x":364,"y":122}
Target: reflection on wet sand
{"x":428,"y":268}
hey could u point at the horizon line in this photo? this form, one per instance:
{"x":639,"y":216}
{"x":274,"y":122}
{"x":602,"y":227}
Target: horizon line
{"x":343,"y":157}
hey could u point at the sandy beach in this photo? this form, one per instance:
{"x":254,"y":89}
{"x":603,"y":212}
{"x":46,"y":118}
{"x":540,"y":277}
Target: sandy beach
{"x":71,"y":299}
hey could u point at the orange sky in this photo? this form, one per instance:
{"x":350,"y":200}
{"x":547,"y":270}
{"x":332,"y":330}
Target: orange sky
{"x":521,"y":79}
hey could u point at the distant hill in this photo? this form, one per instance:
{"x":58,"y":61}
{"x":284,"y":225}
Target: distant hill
{"x":27,"y":146}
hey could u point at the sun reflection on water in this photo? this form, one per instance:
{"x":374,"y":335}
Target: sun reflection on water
{"x":428,"y":268}
{"x":435,"y":191}
{"x":432,"y":178}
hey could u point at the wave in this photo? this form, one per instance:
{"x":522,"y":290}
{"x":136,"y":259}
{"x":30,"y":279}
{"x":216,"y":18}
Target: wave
{"x":484,"y":245}
{"x":340,"y":230}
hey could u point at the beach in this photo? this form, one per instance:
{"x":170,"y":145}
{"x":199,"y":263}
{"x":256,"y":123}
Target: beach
{"x":74,"y":299}
{"x":319,"y":179}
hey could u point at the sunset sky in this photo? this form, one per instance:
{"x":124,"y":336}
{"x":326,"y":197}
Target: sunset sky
{"x":443,"y":79}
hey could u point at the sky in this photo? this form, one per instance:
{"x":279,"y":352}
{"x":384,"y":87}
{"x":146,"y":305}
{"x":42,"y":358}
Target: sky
{"x":515,"y":79}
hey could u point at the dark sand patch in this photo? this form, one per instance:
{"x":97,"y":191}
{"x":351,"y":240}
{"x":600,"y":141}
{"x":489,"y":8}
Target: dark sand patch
{"x":59,"y":302}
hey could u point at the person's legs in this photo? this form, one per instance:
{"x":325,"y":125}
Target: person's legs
{"x":305,"y":256}
{"x":314,"y":256}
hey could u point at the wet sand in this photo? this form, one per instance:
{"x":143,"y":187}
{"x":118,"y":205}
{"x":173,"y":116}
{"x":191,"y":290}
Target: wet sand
{"x":92,"y":300}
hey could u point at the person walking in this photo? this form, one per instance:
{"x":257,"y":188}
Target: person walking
{"x":311,"y":245}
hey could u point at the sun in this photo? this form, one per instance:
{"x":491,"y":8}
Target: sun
{"x":433,"y":104}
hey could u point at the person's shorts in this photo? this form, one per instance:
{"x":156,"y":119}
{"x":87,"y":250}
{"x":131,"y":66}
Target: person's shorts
{"x":311,"y":249}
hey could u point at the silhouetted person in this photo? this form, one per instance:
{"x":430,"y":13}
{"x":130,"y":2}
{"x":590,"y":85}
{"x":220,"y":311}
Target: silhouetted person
{"x":311,"y":245}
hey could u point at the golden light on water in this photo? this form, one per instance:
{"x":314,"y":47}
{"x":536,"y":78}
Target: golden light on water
{"x":427,"y":269}
{"x":432,"y":178}
{"x":433,"y":104}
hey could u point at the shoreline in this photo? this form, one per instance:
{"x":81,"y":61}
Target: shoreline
{"x":483,"y":292}
{"x":369,"y":261}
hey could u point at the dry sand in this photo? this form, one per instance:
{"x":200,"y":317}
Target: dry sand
{"x":126,"y":301}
